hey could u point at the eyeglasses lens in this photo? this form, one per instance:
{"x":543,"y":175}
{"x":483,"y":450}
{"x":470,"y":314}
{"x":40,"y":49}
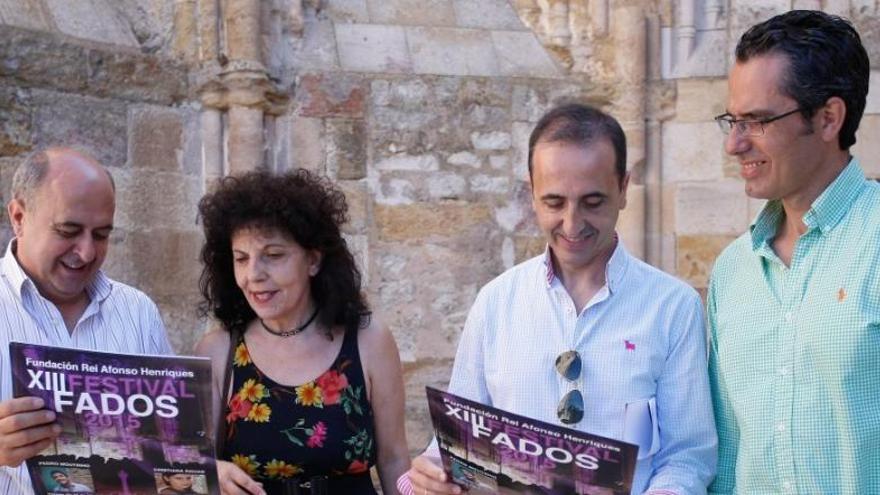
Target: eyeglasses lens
{"x":571,"y":407}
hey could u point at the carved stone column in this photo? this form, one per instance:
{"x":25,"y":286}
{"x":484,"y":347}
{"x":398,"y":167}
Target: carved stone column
{"x":629,"y":30}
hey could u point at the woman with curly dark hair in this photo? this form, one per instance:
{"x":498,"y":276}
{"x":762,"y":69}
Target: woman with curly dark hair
{"x":297,"y":359}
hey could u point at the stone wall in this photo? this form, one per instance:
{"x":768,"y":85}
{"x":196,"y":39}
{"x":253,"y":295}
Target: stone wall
{"x":419,"y":109}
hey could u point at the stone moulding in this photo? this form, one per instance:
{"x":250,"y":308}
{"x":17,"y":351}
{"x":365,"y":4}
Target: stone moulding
{"x":38,"y":59}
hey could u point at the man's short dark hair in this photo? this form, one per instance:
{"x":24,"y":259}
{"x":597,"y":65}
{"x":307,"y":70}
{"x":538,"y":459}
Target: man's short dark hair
{"x":583,"y":125}
{"x":825,"y":58}
{"x":58,"y":471}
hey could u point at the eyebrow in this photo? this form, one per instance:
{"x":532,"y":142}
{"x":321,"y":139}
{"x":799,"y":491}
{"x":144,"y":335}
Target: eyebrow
{"x":76,"y":225}
{"x":751,"y":115}
{"x":585,"y":196}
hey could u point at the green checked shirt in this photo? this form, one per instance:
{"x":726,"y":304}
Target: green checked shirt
{"x":795,"y":357}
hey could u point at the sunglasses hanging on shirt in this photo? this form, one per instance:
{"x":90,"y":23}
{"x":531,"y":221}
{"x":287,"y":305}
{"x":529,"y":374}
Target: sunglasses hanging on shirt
{"x":571,"y":407}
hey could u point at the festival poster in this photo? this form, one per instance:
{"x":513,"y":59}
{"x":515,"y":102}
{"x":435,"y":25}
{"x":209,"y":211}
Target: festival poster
{"x":131,"y":424}
{"x":490,"y":451}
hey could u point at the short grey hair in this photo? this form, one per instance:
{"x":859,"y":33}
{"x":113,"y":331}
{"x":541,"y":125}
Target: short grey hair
{"x":32,"y":171}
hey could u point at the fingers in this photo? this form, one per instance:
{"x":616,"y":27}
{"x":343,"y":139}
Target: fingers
{"x":426,"y":474}
{"x":11,"y":407}
{"x":234,"y":481}
{"x":25,"y":429}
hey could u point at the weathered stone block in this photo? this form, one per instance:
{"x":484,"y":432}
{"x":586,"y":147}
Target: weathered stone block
{"x":15,"y":122}
{"x":521,"y":55}
{"x":372,"y":48}
{"x":465,"y":158}
{"x":528,"y":246}
{"x":451,"y":51}
{"x":96,"y":20}
{"x":867,"y":147}
{"x":161,"y":262}
{"x":696,"y":256}
{"x":149,"y":199}
{"x":491,"y":185}
{"x":699,"y":100}
{"x":306,"y":143}
{"x":42,"y":60}
{"x":97,"y":125}
{"x":395,"y":192}
{"x":493,"y":92}
{"x":136,"y":76}
{"x":182,"y":321}
{"x":347,"y":148}
{"x":446,"y":185}
{"x":516,"y":214}
{"x":412,"y":12}
{"x":28,"y":14}
{"x":347,"y":10}
{"x":337,"y":96}
{"x":419,"y":163}
{"x":487,"y":14}
{"x":425,"y":221}
{"x":499,"y":162}
{"x":155,"y":138}
{"x":520,"y":139}
{"x":711,"y":208}
{"x":873,"y":103}
{"x":496,"y":140}
{"x":692,"y":151}
{"x":316,"y":50}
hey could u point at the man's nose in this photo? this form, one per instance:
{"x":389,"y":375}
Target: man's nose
{"x":736,"y":143}
{"x":85,"y":249}
{"x":571,"y":221}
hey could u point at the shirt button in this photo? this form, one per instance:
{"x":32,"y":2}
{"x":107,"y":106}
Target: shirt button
{"x":783,"y":371}
{"x":780,"y":427}
{"x":786,"y":485}
{"x":788,"y":317}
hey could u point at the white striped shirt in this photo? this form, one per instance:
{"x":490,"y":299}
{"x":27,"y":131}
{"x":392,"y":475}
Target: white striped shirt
{"x":118,"y":318}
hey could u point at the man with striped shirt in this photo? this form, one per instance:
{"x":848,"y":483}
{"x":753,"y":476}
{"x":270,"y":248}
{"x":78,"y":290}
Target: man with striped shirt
{"x":52,"y":291}
{"x":794,"y":303}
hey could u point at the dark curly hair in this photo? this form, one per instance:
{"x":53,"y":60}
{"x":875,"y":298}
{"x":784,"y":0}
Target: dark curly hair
{"x":825,"y":58}
{"x":300,"y":204}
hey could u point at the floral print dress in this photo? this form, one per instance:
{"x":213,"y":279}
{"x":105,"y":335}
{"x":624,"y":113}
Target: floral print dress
{"x":279,"y":432}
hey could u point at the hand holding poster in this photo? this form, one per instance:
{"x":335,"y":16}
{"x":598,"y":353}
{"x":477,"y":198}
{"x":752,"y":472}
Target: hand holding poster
{"x":131,"y":425}
{"x":487,"y":450}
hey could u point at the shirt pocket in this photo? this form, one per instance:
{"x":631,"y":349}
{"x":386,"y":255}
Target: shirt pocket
{"x":640,"y":426}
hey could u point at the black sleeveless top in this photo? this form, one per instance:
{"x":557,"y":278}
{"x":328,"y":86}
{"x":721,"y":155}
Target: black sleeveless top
{"x":278,"y":433}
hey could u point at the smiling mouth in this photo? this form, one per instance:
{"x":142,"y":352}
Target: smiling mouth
{"x":262,"y":296}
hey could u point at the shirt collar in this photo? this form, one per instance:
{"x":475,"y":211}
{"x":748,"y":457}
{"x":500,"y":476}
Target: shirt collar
{"x":825,"y":212}
{"x":614,"y":269}
{"x":98,"y":289}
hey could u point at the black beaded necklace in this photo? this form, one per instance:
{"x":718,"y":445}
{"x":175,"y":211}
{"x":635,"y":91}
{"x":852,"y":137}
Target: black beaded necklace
{"x":292,"y":331}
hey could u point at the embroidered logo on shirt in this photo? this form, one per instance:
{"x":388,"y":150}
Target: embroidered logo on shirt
{"x":841,"y":295}
{"x":629,"y":345}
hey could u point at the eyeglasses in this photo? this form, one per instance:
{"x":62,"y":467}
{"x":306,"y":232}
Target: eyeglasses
{"x":748,"y":127}
{"x":571,"y":408}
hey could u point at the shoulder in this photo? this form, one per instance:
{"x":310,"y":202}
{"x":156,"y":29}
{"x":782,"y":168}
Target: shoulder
{"x":126,"y":296}
{"x":732,"y":258}
{"x":658,"y":284}
{"x":213,"y":344}
{"x":376,"y":340}
{"x":521,"y":277}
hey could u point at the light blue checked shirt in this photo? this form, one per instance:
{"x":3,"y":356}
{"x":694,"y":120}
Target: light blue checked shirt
{"x":117,"y":319}
{"x":795,"y":355}
{"x":643,"y":345}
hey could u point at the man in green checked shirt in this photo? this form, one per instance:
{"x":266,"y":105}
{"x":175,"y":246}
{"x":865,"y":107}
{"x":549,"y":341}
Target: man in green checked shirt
{"x":794,"y":303}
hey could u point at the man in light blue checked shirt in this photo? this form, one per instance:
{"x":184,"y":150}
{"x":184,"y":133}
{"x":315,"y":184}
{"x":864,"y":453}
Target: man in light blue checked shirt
{"x":794,"y":303}
{"x":585,"y":335}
